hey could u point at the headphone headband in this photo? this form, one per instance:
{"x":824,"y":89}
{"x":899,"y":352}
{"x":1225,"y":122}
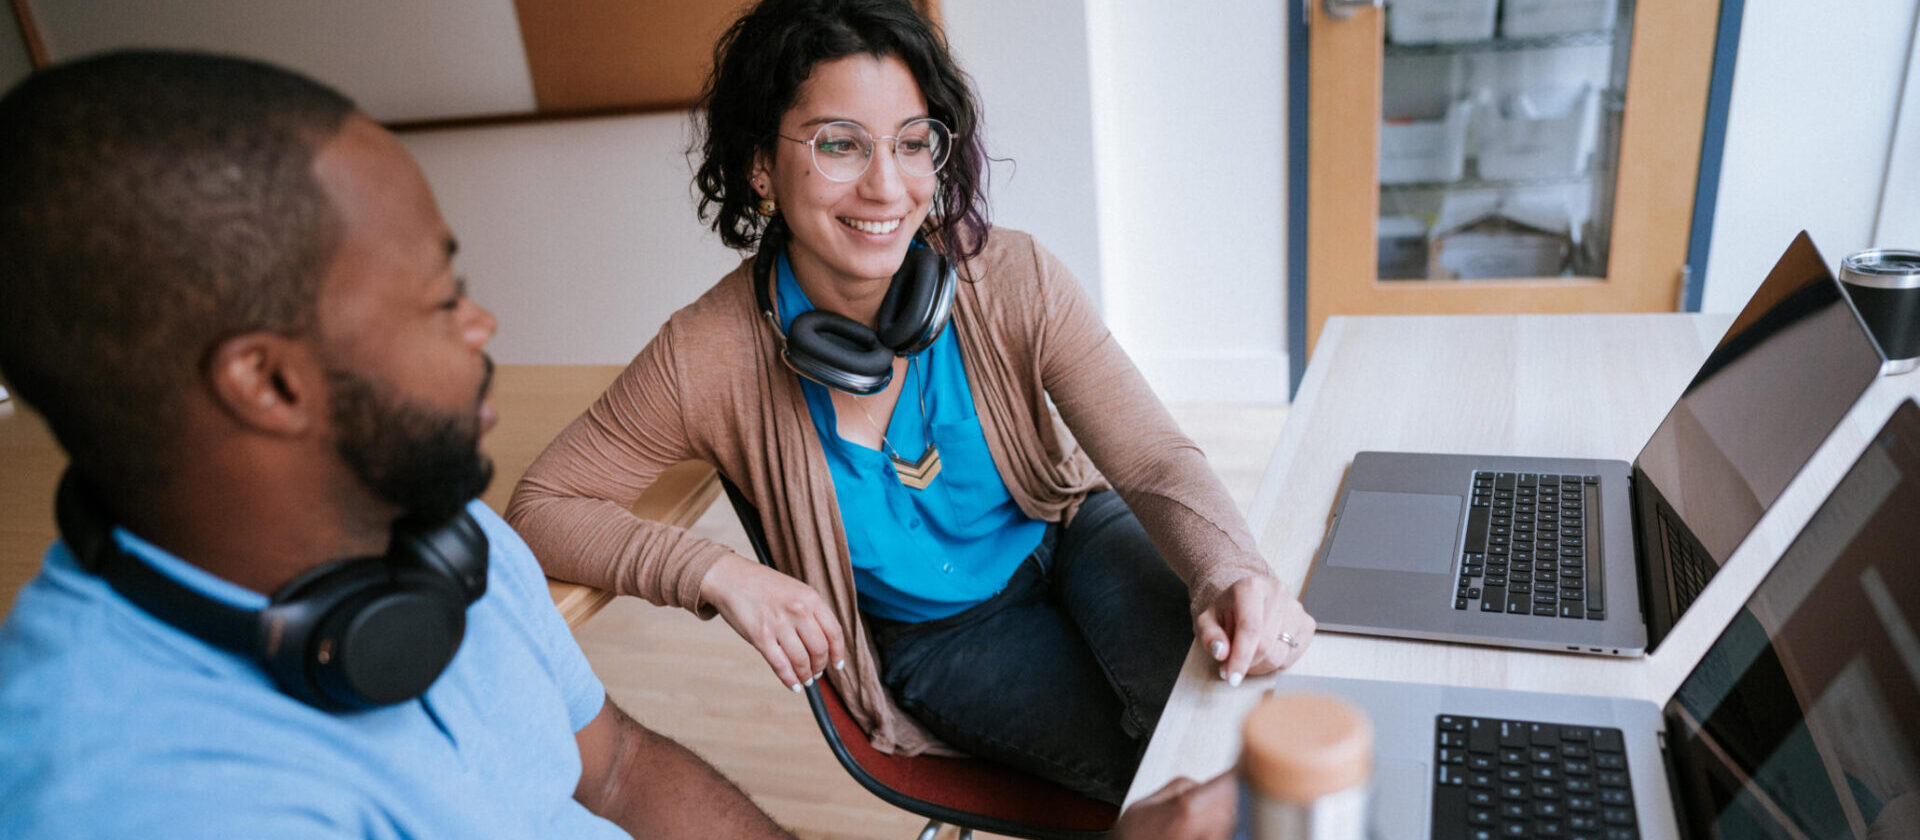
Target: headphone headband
{"x":846,"y":355}
{"x":90,"y":536}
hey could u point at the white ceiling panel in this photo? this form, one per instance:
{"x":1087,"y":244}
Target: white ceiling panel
{"x":400,"y":59}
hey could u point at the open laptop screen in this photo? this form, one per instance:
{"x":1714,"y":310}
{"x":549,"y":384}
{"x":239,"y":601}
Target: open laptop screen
{"x":1803,"y":719}
{"x":1792,"y":364}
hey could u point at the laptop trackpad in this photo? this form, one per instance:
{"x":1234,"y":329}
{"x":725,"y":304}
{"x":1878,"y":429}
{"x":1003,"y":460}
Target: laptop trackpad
{"x":1401,"y":806}
{"x":1397,"y":532}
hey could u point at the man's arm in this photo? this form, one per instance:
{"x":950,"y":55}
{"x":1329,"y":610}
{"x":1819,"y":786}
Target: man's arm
{"x":651,"y":786}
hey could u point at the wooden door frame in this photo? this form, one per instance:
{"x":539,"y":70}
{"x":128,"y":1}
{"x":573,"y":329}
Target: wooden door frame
{"x":1302,"y":210}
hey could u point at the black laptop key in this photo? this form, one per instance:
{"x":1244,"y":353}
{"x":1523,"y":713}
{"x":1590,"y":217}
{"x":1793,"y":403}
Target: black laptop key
{"x":1477,"y":529}
{"x":1513,"y":736}
{"x":1609,"y":740}
{"x":1504,"y":481}
{"x":1483,"y":736}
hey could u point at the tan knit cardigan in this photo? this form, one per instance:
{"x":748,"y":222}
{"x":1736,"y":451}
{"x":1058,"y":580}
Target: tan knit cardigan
{"x":711,"y":387}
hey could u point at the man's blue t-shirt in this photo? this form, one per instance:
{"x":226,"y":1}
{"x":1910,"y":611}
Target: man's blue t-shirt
{"x":114,"y":724}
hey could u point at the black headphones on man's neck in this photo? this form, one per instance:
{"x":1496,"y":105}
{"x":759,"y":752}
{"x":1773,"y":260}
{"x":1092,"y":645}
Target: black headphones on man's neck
{"x":351,"y":634}
{"x":844,"y":354}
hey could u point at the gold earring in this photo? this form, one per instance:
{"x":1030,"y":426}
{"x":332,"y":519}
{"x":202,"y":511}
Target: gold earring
{"x":767,"y":207}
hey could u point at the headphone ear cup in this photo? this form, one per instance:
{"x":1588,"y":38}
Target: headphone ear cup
{"x":362,"y":633}
{"x":838,"y":352}
{"x":918,"y":303}
{"x":454,"y":551}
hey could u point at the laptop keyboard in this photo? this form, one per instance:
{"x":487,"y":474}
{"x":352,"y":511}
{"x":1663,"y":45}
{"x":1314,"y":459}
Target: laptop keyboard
{"x":1526,"y":551}
{"x":1509,"y":778}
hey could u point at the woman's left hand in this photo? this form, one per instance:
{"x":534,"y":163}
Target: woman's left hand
{"x":1255,"y":627}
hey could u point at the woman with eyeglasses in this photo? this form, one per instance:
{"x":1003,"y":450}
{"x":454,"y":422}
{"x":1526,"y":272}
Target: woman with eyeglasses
{"x":989,"y":534}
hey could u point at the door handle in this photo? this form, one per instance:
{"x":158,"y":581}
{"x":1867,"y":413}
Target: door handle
{"x":1343,"y":9}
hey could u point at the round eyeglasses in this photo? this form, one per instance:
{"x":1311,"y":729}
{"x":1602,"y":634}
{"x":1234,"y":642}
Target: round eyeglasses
{"x":842,"y":150}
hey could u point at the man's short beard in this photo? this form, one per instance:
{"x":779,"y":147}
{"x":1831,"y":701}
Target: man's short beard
{"x":426,"y":462}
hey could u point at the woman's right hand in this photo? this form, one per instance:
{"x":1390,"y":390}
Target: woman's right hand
{"x":784,"y":619}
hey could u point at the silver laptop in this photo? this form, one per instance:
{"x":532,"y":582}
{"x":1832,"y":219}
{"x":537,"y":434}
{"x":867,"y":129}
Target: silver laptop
{"x":1600,"y":557}
{"x":1799,"y":722}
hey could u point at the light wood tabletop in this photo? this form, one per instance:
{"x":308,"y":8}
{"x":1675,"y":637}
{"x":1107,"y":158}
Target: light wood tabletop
{"x":535,"y":403}
{"x":1582,"y":386}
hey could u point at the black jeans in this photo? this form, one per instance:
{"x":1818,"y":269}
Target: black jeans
{"x":1064,"y":673}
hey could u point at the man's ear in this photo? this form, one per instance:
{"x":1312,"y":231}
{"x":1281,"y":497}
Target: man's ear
{"x":269,"y":382}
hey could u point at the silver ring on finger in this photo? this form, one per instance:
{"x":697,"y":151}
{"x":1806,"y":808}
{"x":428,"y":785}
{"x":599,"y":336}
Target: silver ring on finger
{"x":1290,"y":640}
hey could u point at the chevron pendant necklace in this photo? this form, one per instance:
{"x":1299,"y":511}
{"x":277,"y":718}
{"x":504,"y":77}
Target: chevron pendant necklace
{"x":916,"y":474}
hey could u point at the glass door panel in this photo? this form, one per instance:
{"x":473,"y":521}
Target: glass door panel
{"x":1499,"y":137}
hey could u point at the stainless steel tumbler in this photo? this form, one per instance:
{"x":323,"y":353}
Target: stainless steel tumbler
{"x":1885,"y":287}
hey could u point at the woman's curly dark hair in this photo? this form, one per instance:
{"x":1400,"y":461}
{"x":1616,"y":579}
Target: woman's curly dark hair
{"x":759,"y":65}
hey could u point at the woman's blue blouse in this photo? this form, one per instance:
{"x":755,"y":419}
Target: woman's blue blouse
{"x":920,"y":555}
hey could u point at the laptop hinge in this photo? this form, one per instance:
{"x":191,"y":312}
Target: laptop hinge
{"x":1672,"y":768}
{"x":1650,"y":567}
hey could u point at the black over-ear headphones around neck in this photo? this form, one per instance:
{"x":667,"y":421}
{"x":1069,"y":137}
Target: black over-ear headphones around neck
{"x":844,"y":354}
{"x":352,"y":634}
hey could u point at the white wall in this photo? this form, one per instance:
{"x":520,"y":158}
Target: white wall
{"x":580,"y":235}
{"x":1815,"y":96}
{"x":1030,"y":68}
{"x":1898,"y":225}
{"x":1190,"y":106}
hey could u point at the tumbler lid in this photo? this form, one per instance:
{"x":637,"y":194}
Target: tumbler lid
{"x":1882,"y":268}
{"x":1302,"y":746}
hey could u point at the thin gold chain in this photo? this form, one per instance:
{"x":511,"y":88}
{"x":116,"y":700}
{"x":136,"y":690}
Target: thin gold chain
{"x":921,"y":389}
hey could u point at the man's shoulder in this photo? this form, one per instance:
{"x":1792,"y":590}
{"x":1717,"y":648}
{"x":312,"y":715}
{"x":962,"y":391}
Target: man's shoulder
{"x":107,"y":727}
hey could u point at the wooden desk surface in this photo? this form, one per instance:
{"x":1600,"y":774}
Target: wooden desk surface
{"x":1590,"y":386}
{"x":535,"y":403}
